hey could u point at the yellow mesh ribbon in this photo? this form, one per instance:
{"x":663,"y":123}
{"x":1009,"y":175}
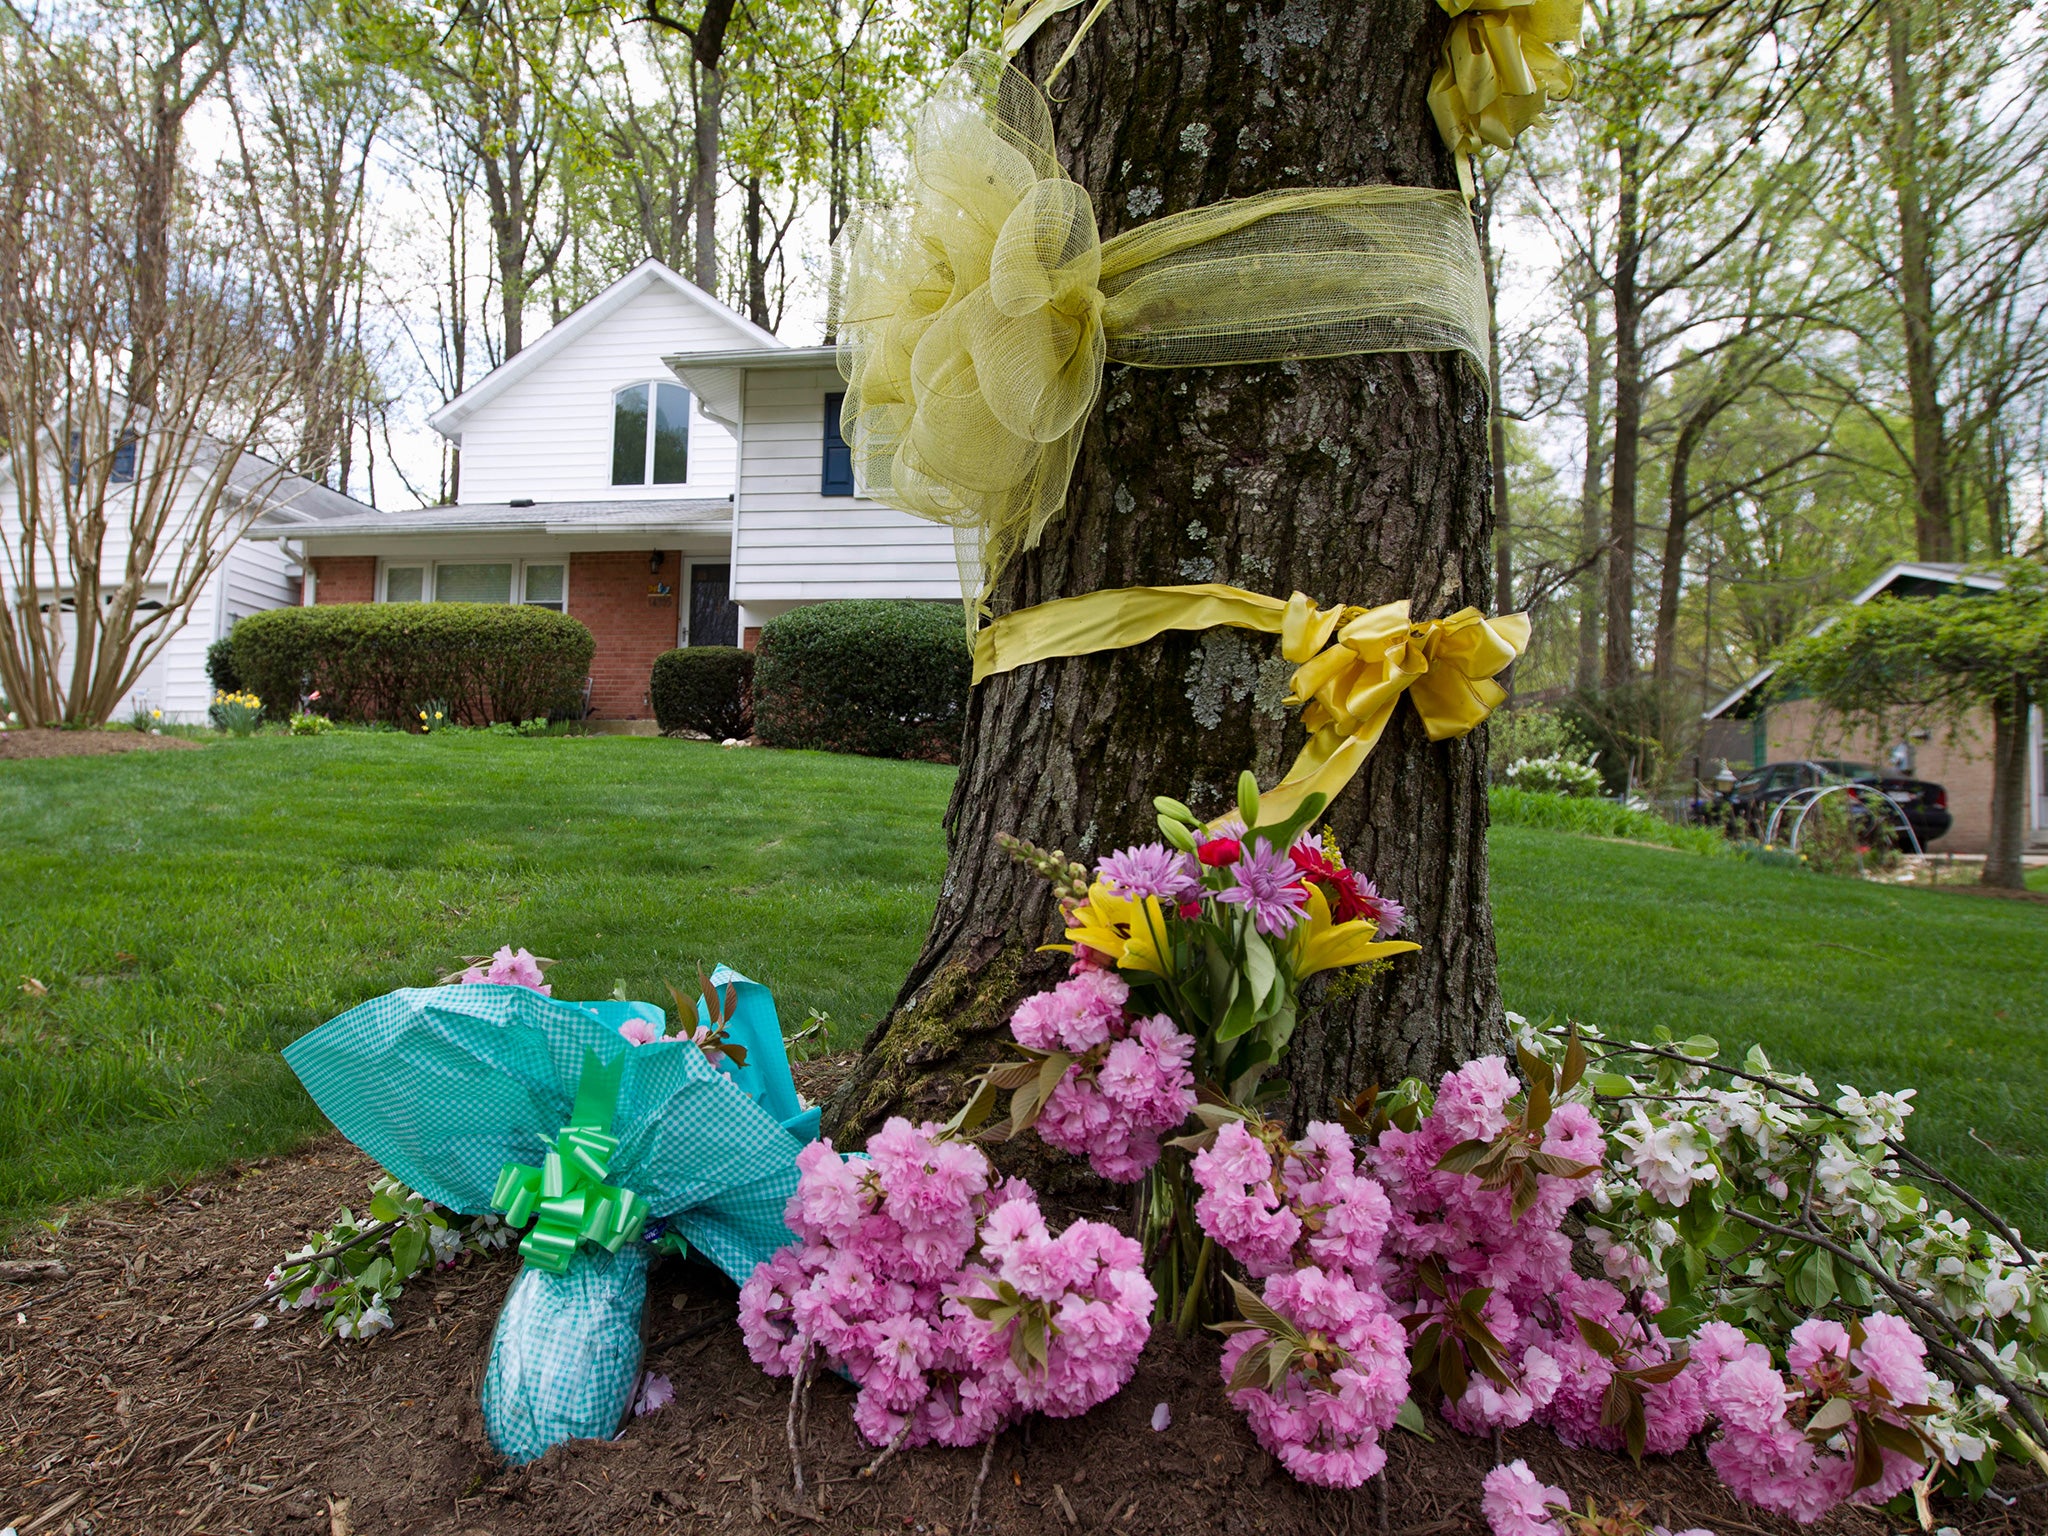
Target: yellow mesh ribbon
{"x":1352,"y":665}
{"x":974,"y":321}
{"x":1500,"y":71}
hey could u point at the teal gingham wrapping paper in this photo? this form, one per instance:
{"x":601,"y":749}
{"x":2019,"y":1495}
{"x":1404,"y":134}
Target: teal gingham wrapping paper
{"x":445,"y":1085}
{"x":565,"y":1357}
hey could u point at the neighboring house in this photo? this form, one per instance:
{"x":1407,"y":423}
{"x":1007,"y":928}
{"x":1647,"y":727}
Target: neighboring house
{"x":254,"y":575}
{"x":655,"y":465}
{"x":1796,"y":728}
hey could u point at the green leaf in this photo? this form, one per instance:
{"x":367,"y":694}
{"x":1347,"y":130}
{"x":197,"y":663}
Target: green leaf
{"x":408,"y":1247}
{"x":1831,"y":1416}
{"x":1813,"y":1282}
{"x":1701,"y":1047}
{"x":1465,"y":1157}
{"x":384,"y":1208}
{"x":1597,"y":1338}
{"x":1410,"y":1418}
{"x":1259,"y":967}
{"x":1239,"y":1018}
{"x":1612,"y":1085}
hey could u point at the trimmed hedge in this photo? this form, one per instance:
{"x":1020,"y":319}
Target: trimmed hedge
{"x":220,"y":666}
{"x":874,"y":677}
{"x":707,"y":688}
{"x":384,"y":661}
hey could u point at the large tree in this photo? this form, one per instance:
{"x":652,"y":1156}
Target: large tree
{"x":1357,"y":479}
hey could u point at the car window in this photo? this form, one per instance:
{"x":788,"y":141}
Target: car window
{"x":1748,"y":783}
{"x":1857,"y":773}
{"x":1784,"y":776}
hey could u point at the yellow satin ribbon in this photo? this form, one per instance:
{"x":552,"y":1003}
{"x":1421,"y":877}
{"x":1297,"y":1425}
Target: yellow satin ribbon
{"x":1500,"y":71}
{"x":1352,"y":664}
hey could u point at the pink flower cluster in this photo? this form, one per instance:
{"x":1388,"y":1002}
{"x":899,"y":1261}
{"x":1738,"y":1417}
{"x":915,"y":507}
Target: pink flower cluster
{"x":1312,"y":1225}
{"x":511,"y":968}
{"x":1130,"y":1085}
{"x":885,"y":1263}
{"x":1517,"y":1503}
{"x":1765,"y":1452}
{"x":1471,"y":1237}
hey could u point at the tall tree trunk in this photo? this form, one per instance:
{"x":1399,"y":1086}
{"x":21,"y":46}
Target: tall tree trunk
{"x":1678,"y":515}
{"x":1496,"y":420}
{"x":1933,"y":525}
{"x":1359,"y":479}
{"x":704,"y":183}
{"x":2004,"y":857}
{"x":757,"y":259}
{"x":1590,"y":588}
{"x":1618,"y":659}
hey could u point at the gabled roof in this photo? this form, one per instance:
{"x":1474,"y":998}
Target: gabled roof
{"x":649,"y":274}
{"x":715,"y":377}
{"x":1903,"y":578}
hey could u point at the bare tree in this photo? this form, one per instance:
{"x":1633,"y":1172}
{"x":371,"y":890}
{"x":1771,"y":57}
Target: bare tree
{"x":141,"y":364}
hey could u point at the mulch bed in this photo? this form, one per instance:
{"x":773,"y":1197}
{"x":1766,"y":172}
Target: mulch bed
{"x":42,"y":743}
{"x":110,"y":1425}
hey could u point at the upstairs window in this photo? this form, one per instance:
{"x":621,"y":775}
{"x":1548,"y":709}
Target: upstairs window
{"x":837,"y":479}
{"x":660,"y":456}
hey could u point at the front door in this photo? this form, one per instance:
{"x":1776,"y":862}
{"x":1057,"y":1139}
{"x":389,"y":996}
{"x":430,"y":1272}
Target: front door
{"x":714,"y":617}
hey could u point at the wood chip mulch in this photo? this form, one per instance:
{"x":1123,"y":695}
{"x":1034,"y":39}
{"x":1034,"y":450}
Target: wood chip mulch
{"x":108,"y":1425}
{"x":40,"y":743}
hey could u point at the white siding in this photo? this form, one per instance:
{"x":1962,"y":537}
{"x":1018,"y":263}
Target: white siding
{"x":792,"y":544}
{"x":549,"y":435}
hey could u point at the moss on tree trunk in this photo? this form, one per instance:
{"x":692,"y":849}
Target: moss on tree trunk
{"x":1360,"y":479}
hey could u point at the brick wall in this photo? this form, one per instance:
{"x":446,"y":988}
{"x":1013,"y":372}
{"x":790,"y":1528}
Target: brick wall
{"x":609,"y":592}
{"x":344,"y":578}
{"x":1796,"y":729}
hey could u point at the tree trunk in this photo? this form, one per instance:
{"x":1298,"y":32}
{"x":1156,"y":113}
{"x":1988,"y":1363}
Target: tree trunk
{"x":1358,"y":479}
{"x":1590,"y":587}
{"x":1933,"y":526}
{"x":757,"y":259}
{"x":1678,"y":516}
{"x":2004,"y":857}
{"x":704,"y":184}
{"x":1618,"y":660}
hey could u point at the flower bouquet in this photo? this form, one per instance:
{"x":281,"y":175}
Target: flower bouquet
{"x":589,"y":1121}
{"x":1189,"y":956}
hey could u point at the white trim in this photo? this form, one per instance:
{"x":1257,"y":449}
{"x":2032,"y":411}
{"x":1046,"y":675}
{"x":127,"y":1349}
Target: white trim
{"x":429,"y":568}
{"x":647,"y":482}
{"x":449,"y":419}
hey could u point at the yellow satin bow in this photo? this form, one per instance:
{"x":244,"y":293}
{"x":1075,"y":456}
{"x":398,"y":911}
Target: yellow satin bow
{"x":1500,"y":72}
{"x":1352,"y":664}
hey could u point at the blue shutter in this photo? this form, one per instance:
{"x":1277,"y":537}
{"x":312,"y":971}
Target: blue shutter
{"x":837,"y":479}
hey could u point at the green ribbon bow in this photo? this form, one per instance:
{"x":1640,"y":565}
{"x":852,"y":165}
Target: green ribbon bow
{"x":568,"y":1190}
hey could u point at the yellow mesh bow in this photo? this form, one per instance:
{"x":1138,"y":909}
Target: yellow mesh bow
{"x":974,"y":321}
{"x":1499,"y":72}
{"x":1352,"y":664}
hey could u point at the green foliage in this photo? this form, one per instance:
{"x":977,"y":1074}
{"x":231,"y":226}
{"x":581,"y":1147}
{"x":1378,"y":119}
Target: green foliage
{"x":1510,"y":807}
{"x":876,"y":677}
{"x":1640,"y":730}
{"x":220,"y":666}
{"x":239,"y":714}
{"x":1948,"y":654}
{"x":1553,"y":776}
{"x":306,"y":723}
{"x":704,"y":688}
{"x":1513,"y":734}
{"x":476,"y":662}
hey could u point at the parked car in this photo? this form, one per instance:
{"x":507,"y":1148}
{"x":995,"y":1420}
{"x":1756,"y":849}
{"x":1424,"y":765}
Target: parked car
{"x":1747,"y":807}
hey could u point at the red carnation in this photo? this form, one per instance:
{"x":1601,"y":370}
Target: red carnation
{"x":1220,"y":852}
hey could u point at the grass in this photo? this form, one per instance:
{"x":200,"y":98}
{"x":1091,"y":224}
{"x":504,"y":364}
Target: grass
{"x":1593,"y":817}
{"x":189,"y":912}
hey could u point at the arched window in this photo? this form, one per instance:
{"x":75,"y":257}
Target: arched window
{"x":660,"y":456}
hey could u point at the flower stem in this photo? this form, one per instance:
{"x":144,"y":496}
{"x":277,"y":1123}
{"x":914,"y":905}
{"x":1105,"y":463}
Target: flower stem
{"x":1191,"y":1304}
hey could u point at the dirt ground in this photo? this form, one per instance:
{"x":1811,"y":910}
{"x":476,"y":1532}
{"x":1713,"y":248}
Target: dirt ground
{"x":40,"y":743}
{"x":111,"y":1427}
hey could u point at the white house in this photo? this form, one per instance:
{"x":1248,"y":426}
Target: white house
{"x":655,"y":465}
{"x":253,"y":576}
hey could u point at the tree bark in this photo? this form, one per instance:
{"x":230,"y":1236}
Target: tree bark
{"x":1618,"y":658}
{"x":1933,"y":524}
{"x":704,"y":183}
{"x":1359,"y":479}
{"x":2005,"y":855}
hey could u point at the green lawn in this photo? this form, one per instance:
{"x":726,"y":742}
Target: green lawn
{"x":262,"y":886}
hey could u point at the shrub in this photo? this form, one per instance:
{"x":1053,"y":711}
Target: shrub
{"x":707,"y":688}
{"x":1553,"y":776}
{"x":311,"y":725}
{"x":879,"y":678}
{"x":1513,"y":734}
{"x":386,"y":661}
{"x":220,"y":666}
{"x":237,"y":713}
{"x":1509,"y":807}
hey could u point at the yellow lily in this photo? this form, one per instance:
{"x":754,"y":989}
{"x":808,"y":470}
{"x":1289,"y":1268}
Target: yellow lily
{"x":1129,"y":932}
{"x":1321,"y":945}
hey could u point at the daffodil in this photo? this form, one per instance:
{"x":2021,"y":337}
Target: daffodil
{"x":1322,"y":945}
{"x":1132,"y":933}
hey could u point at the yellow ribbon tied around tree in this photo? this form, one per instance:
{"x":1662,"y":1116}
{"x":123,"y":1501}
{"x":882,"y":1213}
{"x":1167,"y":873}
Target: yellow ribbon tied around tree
{"x":975,"y":319}
{"x":1500,"y":71}
{"x":1352,"y":664}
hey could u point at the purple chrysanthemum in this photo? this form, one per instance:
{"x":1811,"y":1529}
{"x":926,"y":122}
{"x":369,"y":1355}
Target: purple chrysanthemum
{"x":1152,"y":869}
{"x":1268,"y":887}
